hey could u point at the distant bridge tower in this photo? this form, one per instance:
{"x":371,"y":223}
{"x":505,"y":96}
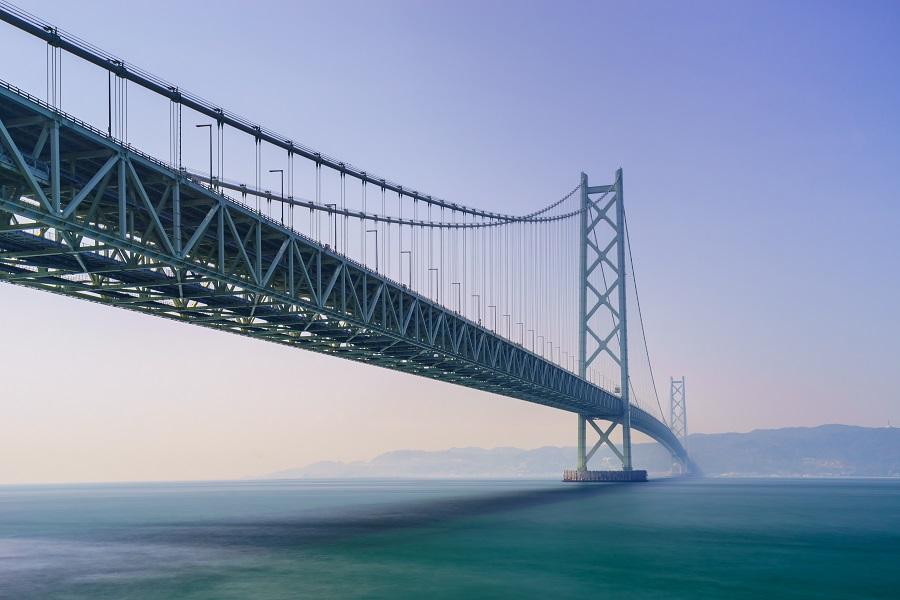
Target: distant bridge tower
{"x":678,"y":410}
{"x":602,"y":326}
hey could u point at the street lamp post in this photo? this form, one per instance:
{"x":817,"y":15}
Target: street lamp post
{"x":331,"y":214}
{"x":281,"y":172}
{"x":209,"y":125}
{"x":409,"y":254}
{"x":375,"y":231}
{"x":458,"y":296}
{"x":437,"y":280}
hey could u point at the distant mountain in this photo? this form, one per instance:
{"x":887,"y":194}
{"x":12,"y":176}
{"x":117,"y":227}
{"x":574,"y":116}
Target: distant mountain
{"x":824,"y":451}
{"x":827,"y":450}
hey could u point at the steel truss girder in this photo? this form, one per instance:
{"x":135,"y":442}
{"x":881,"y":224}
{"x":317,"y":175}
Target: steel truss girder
{"x":119,"y":228}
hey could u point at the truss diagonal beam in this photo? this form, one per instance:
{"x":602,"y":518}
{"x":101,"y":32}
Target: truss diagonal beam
{"x":123,"y":247}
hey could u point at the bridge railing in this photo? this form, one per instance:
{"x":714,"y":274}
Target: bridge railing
{"x":176,"y":174}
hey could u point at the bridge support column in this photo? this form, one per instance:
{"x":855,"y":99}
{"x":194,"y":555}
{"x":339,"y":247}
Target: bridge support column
{"x":622,"y":269}
{"x":581,"y":464}
{"x":678,"y":410}
{"x":581,"y":473}
{"x":602,"y":302}
{"x":678,"y":417}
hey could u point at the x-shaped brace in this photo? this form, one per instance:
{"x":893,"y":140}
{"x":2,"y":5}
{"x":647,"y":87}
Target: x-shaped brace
{"x":604,"y":438}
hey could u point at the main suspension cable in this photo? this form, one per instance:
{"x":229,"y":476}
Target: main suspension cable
{"x":331,"y":209}
{"x":637,"y":300}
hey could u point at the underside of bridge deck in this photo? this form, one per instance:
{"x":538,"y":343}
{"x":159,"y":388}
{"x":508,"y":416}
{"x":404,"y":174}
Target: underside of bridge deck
{"x":83,"y":215}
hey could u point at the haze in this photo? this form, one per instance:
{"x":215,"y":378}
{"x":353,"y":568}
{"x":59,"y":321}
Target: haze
{"x":759,"y":141}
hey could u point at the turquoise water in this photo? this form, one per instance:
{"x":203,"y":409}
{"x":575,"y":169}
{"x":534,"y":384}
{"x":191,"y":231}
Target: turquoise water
{"x":453,"y":539}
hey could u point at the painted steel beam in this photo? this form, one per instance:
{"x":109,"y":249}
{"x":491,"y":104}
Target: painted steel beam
{"x":246,"y":275}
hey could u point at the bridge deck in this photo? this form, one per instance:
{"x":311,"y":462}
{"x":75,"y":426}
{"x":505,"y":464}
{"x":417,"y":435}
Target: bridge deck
{"x":83,"y":215}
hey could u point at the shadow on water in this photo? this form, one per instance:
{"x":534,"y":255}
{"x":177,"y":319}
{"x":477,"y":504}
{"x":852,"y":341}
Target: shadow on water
{"x":301,"y":531}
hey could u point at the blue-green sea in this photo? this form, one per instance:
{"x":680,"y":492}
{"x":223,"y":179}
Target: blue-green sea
{"x":452,"y":539}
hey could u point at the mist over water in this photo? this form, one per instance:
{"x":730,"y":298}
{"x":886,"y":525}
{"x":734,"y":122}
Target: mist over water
{"x":448,"y":539}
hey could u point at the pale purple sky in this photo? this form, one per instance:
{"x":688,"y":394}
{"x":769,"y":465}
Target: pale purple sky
{"x":760,"y":143}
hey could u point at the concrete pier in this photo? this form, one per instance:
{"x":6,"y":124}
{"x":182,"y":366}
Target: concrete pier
{"x":604,"y":476}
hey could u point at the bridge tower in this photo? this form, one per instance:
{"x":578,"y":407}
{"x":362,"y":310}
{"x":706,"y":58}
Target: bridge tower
{"x":602,"y":326}
{"x":678,"y":410}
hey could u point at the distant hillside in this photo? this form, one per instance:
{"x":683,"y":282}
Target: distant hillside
{"x":828,"y":450}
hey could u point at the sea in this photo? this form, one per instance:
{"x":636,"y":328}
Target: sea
{"x":668,"y":538}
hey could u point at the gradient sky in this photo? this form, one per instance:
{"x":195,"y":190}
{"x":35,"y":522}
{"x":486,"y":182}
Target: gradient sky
{"x":760,"y":142}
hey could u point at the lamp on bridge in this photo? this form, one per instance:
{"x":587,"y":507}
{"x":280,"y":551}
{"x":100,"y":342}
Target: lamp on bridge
{"x":375,"y":231}
{"x":281,"y":172}
{"x":494,"y":324}
{"x":331,"y":214}
{"x":209,"y":125}
{"x":409,"y":263}
{"x":437,"y":283}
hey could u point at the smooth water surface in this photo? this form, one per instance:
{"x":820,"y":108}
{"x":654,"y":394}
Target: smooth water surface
{"x":452,"y":539}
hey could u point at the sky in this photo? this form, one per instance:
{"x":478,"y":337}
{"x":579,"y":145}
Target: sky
{"x":760,"y":143}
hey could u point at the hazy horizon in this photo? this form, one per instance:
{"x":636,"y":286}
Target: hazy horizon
{"x":759,"y":143}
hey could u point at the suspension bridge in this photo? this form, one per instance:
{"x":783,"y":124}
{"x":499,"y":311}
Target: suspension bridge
{"x":332,"y":259}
